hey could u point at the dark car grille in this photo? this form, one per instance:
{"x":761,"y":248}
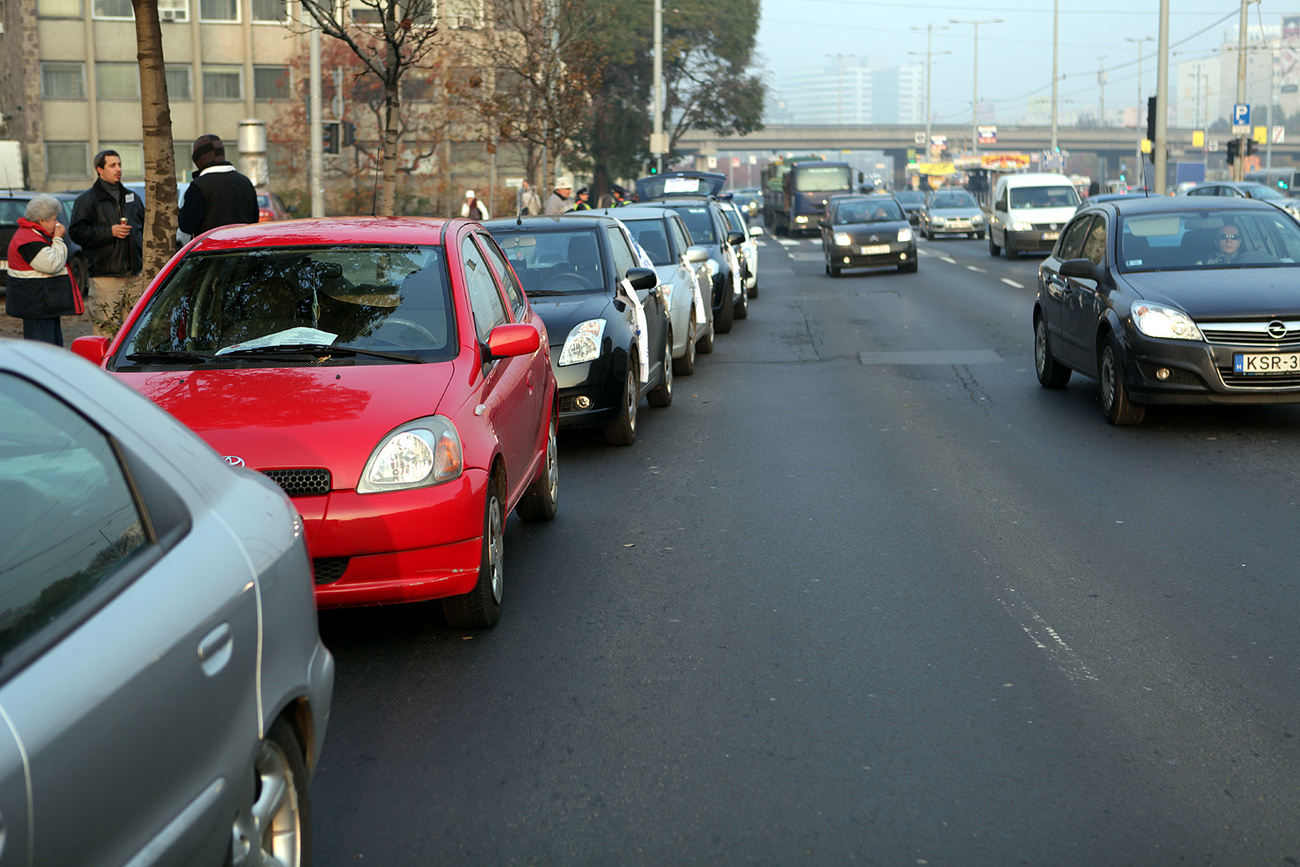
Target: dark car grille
{"x":329,"y":569}
{"x":1236,"y":380}
{"x":302,"y":483}
{"x":1253,"y":334}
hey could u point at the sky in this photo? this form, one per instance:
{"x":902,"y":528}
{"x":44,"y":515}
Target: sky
{"x":1015,"y":56}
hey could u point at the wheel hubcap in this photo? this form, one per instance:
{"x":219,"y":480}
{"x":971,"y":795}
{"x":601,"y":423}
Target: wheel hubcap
{"x":1040,"y":346}
{"x":495,"y":547}
{"x":1107,"y":378}
{"x":272,"y":833}
{"x":552,"y":465}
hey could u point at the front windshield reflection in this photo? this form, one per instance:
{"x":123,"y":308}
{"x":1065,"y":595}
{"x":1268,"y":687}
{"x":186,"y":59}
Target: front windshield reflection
{"x":1208,"y":239}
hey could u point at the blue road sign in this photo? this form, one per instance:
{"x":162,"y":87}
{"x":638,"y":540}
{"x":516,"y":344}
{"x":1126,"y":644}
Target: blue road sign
{"x":1240,"y":119}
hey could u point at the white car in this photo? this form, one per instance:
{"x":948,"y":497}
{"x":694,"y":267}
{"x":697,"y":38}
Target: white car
{"x":685,"y":280}
{"x":749,"y":249}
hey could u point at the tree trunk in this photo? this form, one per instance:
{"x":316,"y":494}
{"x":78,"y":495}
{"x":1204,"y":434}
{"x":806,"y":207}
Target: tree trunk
{"x":159,"y":159}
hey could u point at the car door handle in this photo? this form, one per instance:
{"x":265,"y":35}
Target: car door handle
{"x":215,"y":649}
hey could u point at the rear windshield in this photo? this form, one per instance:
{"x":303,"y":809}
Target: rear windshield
{"x":1208,"y":239}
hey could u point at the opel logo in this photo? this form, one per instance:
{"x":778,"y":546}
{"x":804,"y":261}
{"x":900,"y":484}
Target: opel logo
{"x":234,"y":461}
{"x":1276,"y":329}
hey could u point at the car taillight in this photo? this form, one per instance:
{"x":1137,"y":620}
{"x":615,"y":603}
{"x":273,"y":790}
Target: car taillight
{"x":264,"y":215}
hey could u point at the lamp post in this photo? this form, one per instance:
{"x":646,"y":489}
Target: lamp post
{"x":975,"y":79}
{"x":929,"y":59}
{"x":1137,"y":116}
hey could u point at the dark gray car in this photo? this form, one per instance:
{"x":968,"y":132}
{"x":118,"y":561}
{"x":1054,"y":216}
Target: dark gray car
{"x":164,"y":692}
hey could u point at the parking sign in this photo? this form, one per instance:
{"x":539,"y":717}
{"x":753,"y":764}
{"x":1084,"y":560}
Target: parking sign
{"x":1240,"y":119}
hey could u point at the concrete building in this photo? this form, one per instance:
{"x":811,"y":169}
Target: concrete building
{"x":850,"y":90}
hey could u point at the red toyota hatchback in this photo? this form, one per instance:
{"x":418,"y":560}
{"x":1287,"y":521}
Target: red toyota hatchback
{"x":388,"y":373}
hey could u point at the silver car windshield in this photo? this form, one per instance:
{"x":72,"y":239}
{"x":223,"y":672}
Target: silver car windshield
{"x":1208,"y":239}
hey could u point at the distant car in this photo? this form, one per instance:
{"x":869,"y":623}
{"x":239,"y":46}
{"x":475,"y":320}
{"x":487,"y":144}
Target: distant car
{"x":663,"y":236}
{"x":912,"y":202}
{"x":694,"y":195}
{"x":388,"y":373}
{"x":269,"y":207}
{"x":748,"y":248}
{"x":750,"y":202}
{"x":1247,"y":190}
{"x":1182,"y":300}
{"x":12,"y":205}
{"x":574,"y":269}
{"x":951,"y":212}
{"x":164,"y":689}
{"x":867,"y":232}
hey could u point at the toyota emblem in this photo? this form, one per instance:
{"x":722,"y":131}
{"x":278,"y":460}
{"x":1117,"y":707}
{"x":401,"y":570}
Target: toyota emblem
{"x":1276,"y":329}
{"x":234,"y":461}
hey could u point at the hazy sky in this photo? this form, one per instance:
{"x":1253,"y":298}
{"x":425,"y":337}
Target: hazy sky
{"x":1015,"y":56}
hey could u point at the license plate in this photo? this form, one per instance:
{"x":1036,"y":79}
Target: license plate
{"x":875,"y":249}
{"x":1262,"y":365}
{"x":1051,"y":236}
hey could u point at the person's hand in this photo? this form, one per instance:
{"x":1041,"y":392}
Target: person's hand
{"x":121,"y":230}
{"x":60,"y":230}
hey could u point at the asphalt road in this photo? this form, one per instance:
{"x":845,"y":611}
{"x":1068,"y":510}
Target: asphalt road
{"x":863,"y":594}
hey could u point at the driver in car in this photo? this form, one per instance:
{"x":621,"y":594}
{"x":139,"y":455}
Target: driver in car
{"x":1227,"y":246}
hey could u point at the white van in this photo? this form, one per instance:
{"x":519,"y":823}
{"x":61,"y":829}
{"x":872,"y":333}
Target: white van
{"x":1029,"y":212}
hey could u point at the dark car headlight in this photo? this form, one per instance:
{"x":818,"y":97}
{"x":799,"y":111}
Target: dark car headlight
{"x":1159,"y":320}
{"x":583,"y":343}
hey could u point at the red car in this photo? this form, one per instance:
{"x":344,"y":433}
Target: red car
{"x":388,"y":373}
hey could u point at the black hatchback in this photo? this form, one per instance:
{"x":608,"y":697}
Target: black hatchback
{"x":1173,"y":301}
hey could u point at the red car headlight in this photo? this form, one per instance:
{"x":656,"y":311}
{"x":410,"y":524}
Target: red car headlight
{"x":421,"y":453}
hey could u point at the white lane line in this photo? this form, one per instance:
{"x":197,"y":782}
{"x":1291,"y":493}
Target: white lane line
{"x":1013,"y":283}
{"x":1047,"y":638}
{"x":950,"y":260}
{"x":787,"y":242}
{"x":975,"y":268}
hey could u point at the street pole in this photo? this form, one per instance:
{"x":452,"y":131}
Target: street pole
{"x":1239,"y":167}
{"x":929,"y":60}
{"x":317,"y":129}
{"x":1101,"y":83}
{"x":1139,"y":166}
{"x":1159,"y":147}
{"x":1056,"y":20}
{"x":657,"y":145}
{"x":975,"y":79}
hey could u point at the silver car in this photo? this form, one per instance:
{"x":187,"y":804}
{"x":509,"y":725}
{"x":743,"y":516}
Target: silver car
{"x":748,"y":248}
{"x":686,"y":281}
{"x":952,"y":212}
{"x":164,"y":693}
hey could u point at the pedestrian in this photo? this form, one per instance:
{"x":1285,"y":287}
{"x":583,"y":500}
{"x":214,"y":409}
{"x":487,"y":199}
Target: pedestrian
{"x":219,"y":194}
{"x":528,"y":201}
{"x":108,"y":223}
{"x":40,"y":287}
{"x":583,"y":203}
{"x":619,"y":194}
{"x":473,"y":208}
{"x":558,"y":202}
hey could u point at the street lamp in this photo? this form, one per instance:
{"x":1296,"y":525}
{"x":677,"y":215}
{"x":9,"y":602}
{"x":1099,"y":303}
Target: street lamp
{"x":1137,"y":117}
{"x":929,"y":55}
{"x":975,"y":80}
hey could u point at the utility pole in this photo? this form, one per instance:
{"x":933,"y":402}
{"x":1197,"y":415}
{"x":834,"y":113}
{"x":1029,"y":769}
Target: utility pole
{"x":1056,"y":27}
{"x":929,"y":59}
{"x":1101,"y":83}
{"x":1160,"y":147}
{"x":1139,"y":166}
{"x":658,"y":147}
{"x":975,"y":80}
{"x":1239,"y":166}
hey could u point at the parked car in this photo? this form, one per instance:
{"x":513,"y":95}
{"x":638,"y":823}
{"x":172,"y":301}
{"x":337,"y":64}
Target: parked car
{"x":685,"y":282}
{"x":270,"y":207}
{"x":13,"y":204}
{"x":164,"y":689}
{"x":693,"y":195}
{"x":952,"y":212}
{"x":912,"y":202}
{"x":1029,"y":210}
{"x":606,"y":358}
{"x":750,"y":202}
{"x":747,"y":249}
{"x":867,"y":232}
{"x":388,"y":373}
{"x":1247,"y":190}
{"x":1180,"y":300}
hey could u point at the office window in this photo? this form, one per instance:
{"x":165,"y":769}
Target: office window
{"x":270,"y":82}
{"x":419,"y":11}
{"x":365,"y":12}
{"x":132,"y":154}
{"x":117,"y":81}
{"x":222,"y":82}
{"x":218,"y":10}
{"x":113,"y":9}
{"x":462,"y":14}
{"x":59,"y":8}
{"x":180,"y":83}
{"x":173,"y":10}
{"x":63,"y":79}
{"x":270,"y":10}
{"x":68,"y":159}
{"x":417,"y":88}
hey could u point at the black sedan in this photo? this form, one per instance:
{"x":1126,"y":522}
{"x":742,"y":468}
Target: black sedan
{"x":606,"y":356}
{"x":1173,"y":301}
{"x":867,"y":232}
{"x":913,"y":202}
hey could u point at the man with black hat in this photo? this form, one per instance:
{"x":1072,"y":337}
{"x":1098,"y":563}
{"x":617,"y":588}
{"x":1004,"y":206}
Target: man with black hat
{"x":108,"y":222}
{"x":219,"y":195}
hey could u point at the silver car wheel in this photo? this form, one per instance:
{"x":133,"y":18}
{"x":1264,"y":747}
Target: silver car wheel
{"x":495,"y":545}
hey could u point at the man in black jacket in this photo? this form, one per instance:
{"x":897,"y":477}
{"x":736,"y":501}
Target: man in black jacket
{"x":219,"y":195}
{"x":108,"y":222}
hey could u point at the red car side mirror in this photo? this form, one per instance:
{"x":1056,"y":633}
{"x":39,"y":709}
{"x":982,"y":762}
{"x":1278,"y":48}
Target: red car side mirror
{"x":92,"y":348}
{"x":507,"y":341}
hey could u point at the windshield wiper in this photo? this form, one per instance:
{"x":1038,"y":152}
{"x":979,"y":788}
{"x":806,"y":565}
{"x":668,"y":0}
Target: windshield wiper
{"x":320,"y":350}
{"x":154,"y":356}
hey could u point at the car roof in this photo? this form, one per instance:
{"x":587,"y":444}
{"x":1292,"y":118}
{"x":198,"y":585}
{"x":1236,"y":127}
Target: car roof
{"x":1131,"y":205}
{"x":551,"y":222}
{"x":648,"y":211}
{"x":347,"y":231}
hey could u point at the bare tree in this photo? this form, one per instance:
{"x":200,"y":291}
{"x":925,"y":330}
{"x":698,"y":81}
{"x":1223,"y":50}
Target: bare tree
{"x":546,"y":65}
{"x":390,"y":38}
{"x":159,"y":159}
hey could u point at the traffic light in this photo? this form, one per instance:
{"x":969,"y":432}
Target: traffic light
{"x":349,"y":133}
{"x":1250,"y":147}
{"x":330,"y":136}
{"x":1234,"y":146}
{"x":654,"y":168}
{"x":1152,"y":109}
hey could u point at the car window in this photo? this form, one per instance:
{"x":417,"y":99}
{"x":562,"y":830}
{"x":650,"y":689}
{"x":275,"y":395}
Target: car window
{"x":1203,"y":191}
{"x":1094,"y":244}
{"x":821,"y":179}
{"x":677,"y":231}
{"x":624,"y":258}
{"x":71,"y":520}
{"x":514,"y":291}
{"x":700,"y":223}
{"x":484,"y":294}
{"x":734,"y":221}
{"x":1184,"y":240}
{"x":954,"y":199}
{"x":652,"y":236}
{"x":1071,"y":243}
{"x":224,"y":301}
{"x":1047,"y":196}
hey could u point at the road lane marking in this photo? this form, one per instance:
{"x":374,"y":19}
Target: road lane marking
{"x":950,"y":260}
{"x":1013,"y":283}
{"x":975,"y":268}
{"x":1047,"y":638}
{"x":932,"y":356}
{"x":788,"y":242}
